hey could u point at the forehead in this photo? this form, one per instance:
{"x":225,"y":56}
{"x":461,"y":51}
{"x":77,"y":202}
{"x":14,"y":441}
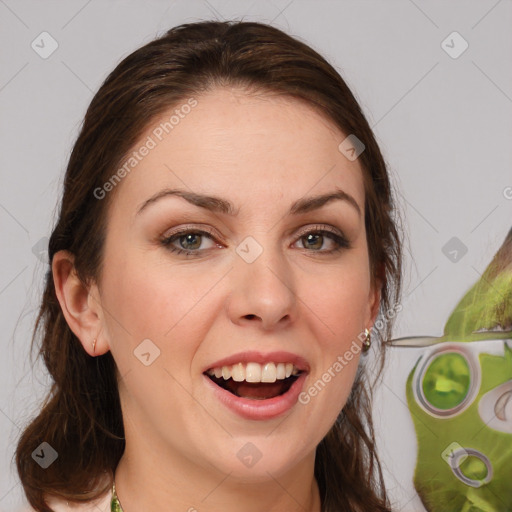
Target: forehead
{"x":231,"y":143}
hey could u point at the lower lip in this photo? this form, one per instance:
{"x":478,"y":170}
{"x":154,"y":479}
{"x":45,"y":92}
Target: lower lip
{"x":259,"y":409}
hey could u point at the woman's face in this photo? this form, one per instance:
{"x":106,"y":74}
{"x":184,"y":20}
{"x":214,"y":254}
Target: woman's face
{"x":278,"y":282}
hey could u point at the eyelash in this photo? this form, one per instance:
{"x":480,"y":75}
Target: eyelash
{"x":340,"y":240}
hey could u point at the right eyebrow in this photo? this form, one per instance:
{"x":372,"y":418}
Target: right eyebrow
{"x":212,"y":203}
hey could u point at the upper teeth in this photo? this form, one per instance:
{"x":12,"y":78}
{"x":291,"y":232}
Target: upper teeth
{"x":254,"y":372}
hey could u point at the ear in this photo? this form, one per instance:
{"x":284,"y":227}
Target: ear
{"x":375,"y":297}
{"x":374,"y":302}
{"x":80,"y":304}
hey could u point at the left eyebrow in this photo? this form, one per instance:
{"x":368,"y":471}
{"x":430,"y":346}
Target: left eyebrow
{"x":217,"y":204}
{"x":308,"y":204}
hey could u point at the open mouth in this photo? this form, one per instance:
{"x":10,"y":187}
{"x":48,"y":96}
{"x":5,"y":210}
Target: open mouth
{"x":254,"y":381}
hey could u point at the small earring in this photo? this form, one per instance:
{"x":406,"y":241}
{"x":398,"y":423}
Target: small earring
{"x":94,"y":346}
{"x":367,"y":343}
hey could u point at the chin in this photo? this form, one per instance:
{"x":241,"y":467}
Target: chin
{"x":259,"y":459}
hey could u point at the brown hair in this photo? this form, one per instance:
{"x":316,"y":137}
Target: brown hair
{"x":81,"y":417}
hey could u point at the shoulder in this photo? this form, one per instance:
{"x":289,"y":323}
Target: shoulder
{"x":57,"y":505}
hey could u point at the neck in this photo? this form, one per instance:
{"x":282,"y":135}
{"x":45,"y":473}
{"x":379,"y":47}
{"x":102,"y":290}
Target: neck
{"x":145,"y":483}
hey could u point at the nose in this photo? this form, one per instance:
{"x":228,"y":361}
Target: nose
{"x":262,"y":291}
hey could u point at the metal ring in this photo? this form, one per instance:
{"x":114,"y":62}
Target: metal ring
{"x":470,"y":452}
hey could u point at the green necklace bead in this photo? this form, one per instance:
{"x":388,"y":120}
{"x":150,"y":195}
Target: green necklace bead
{"x":115,"y":506}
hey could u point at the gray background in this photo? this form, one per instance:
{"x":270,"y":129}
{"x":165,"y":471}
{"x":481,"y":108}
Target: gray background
{"x":444,"y":125}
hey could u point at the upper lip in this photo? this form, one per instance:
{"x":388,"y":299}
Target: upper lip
{"x":261,"y":358}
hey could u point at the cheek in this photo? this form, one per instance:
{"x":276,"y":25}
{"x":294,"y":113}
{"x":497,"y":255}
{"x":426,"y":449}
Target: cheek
{"x":339,"y":300}
{"x":169,"y":306}
{"x":151,"y":299}
{"x":343,"y":306}
{"x":164,"y":306}
{"x":338,"y":309}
